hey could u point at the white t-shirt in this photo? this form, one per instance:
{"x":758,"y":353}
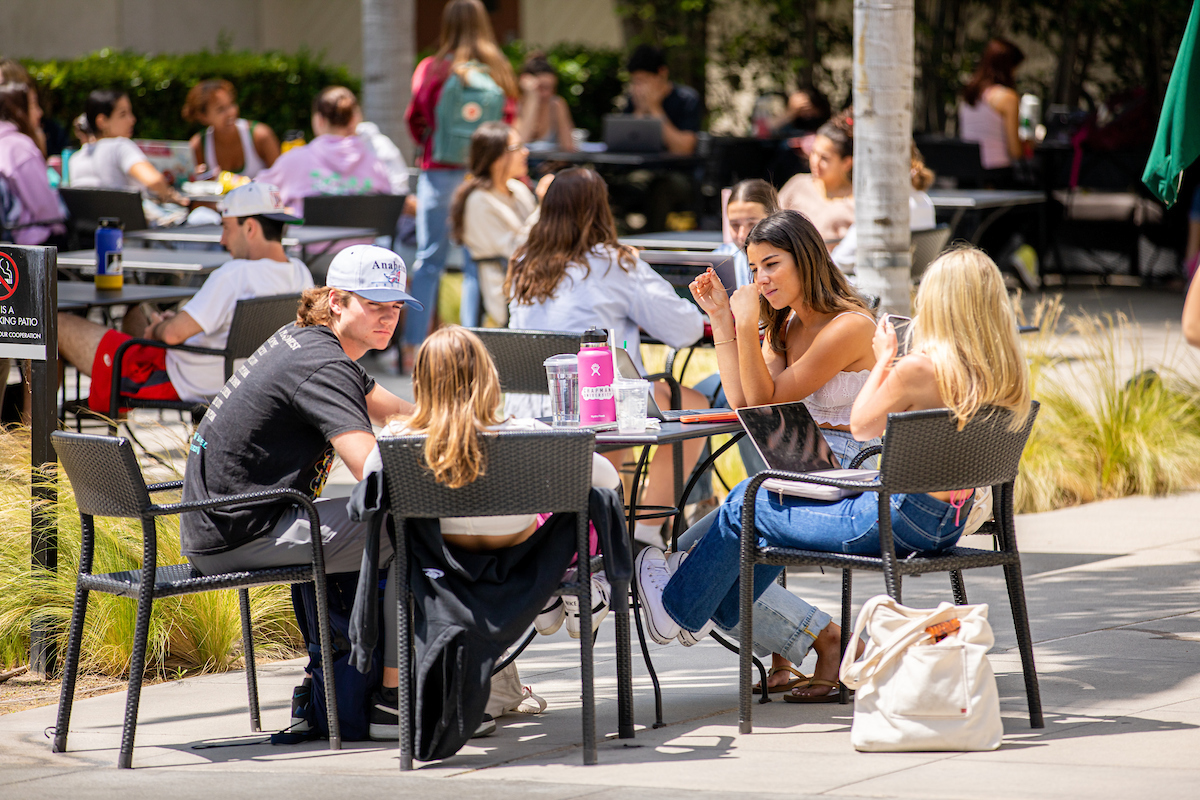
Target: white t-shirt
{"x":199,"y":377}
{"x":106,"y":164}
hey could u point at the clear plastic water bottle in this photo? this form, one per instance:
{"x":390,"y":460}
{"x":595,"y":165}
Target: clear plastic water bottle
{"x":597,"y":403}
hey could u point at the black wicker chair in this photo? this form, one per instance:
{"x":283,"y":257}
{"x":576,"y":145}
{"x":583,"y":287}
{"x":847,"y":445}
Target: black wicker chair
{"x":518,"y":355}
{"x":528,"y":472}
{"x":87,"y":206}
{"x":107,"y":481}
{"x":923,"y":452}
{"x":378,"y":211}
{"x":254,"y":320}
{"x":926,"y":246}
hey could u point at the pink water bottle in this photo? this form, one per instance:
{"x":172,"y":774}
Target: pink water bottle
{"x":596,"y":400}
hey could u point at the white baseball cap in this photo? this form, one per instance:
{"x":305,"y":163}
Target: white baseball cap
{"x":373,"y":273}
{"x":257,"y":200}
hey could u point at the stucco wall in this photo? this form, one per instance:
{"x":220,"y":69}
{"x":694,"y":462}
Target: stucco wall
{"x":591,"y":22}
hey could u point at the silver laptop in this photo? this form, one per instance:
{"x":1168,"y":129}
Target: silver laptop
{"x":681,"y":267}
{"x":625,"y":133}
{"x":788,"y":439}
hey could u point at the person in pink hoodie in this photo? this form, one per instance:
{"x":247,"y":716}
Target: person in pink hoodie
{"x":335,"y":162}
{"x":30,"y":211}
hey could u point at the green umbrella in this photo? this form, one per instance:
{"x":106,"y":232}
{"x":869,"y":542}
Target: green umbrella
{"x":1177,"y":143}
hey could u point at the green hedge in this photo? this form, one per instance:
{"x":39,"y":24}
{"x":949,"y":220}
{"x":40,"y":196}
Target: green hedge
{"x":275,"y":88}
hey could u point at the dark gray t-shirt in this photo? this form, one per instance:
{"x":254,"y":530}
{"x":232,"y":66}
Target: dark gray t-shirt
{"x":270,"y":428}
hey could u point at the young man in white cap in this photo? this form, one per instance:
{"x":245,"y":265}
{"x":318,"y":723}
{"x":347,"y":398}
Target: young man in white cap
{"x":252,"y":218}
{"x":298,"y":401}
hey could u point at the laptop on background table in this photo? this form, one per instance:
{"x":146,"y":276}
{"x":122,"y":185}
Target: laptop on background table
{"x":625,"y":133}
{"x":788,"y":439}
{"x":681,"y":267}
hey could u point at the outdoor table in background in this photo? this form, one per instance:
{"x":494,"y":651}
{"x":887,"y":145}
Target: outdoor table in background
{"x":140,"y":259}
{"x":663,"y":160}
{"x":960,"y":202}
{"x":75,"y":295}
{"x":302,"y":236}
{"x":670,"y":240}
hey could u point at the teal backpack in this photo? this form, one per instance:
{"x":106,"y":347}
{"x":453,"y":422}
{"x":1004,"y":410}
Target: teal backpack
{"x":469,"y":98}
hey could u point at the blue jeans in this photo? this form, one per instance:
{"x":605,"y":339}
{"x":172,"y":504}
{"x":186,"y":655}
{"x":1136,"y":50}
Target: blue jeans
{"x":784,"y":623}
{"x":435,"y":190}
{"x":706,"y":584}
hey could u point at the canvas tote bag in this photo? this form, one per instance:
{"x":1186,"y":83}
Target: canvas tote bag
{"x":915,"y":693}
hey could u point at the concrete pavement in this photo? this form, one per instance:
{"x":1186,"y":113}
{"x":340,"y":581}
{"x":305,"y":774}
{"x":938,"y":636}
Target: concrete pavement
{"x":1114,"y":596}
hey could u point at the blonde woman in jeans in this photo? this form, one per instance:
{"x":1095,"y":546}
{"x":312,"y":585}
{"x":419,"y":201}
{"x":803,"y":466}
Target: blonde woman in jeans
{"x":964,"y":356}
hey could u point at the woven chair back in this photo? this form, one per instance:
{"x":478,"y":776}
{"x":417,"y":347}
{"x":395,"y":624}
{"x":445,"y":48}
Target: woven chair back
{"x":104,"y":474}
{"x":254,"y":320}
{"x":925,"y":452}
{"x":518,"y":355}
{"x":527,"y":472}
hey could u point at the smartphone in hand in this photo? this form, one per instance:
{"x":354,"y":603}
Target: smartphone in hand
{"x":902,"y":326}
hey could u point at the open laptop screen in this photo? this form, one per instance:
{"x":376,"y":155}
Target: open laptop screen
{"x":787,"y":438}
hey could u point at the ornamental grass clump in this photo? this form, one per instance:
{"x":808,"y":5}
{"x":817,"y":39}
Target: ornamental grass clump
{"x":1108,"y":427}
{"x":192,"y":633}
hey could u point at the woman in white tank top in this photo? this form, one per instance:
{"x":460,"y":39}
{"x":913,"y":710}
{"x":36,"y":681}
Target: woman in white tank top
{"x":229,"y":143}
{"x":817,"y":350}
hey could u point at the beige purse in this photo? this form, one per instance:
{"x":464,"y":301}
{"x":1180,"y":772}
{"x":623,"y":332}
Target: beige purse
{"x":915,"y":691}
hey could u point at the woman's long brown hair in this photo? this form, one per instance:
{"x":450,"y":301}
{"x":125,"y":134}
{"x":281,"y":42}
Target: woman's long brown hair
{"x":823,"y":287}
{"x":999,"y":61}
{"x":489,"y":143}
{"x":575,"y":218}
{"x":467,"y":33}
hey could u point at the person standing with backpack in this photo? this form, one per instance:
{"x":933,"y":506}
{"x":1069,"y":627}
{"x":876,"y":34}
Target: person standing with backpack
{"x":466,"y":83}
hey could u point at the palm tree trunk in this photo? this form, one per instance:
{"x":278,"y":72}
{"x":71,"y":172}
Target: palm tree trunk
{"x":389,"y":55}
{"x":883,"y":92}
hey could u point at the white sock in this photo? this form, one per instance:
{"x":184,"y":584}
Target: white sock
{"x":648,"y":533}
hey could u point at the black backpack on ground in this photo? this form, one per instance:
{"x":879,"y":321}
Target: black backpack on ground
{"x":352,"y":687}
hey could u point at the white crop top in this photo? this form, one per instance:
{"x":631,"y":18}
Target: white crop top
{"x":831,"y":404}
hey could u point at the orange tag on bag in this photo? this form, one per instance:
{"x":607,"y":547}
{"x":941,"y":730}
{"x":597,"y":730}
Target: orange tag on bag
{"x":943,"y":629}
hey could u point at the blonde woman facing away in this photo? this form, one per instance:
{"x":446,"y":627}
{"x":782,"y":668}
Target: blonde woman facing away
{"x":456,"y":396}
{"x":965,"y":356}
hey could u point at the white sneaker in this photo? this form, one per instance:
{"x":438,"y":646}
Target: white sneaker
{"x":686,"y":637}
{"x":551,"y":618}
{"x":652,"y":577}
{"x":601,"y":594}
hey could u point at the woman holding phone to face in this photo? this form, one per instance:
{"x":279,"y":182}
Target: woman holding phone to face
{"x":817,"y":350}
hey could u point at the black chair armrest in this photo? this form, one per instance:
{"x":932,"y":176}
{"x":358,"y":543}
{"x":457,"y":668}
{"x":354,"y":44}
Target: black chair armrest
{"x":808,"y":477}
{"x":115,"y":393}
{"x":164,"y":486}
{"x":265,"y":497}
{"x":864,"y":454}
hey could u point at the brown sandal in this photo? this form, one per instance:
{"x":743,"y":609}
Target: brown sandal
{"x":832,"y":696}
{"x":784,"y":687}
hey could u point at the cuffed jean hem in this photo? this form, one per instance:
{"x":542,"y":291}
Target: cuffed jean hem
{"x":784,"y":624}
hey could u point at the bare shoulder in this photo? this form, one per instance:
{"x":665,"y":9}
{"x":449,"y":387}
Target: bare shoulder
{"x":1003,"y":98}
{"x":262,"y":132}
{"x":915,"y":373}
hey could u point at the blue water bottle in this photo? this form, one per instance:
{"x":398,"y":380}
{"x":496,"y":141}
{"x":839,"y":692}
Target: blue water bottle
{"x":109,"y":243}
